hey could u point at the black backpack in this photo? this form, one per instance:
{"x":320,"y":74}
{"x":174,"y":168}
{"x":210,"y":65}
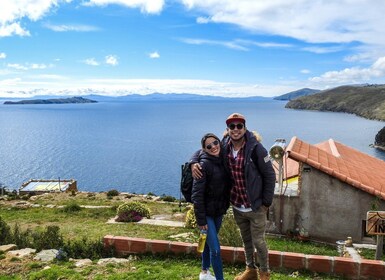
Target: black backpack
{"x":186,"y":182}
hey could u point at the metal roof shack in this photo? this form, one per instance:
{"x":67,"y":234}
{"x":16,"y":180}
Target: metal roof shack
{"x":39,"y":186}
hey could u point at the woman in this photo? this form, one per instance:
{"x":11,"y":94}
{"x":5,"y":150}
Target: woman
{"x":211,"y":198}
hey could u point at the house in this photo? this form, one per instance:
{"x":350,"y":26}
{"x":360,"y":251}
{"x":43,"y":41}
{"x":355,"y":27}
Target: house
{"x":330,"y":194}
{"x":40,"y":186}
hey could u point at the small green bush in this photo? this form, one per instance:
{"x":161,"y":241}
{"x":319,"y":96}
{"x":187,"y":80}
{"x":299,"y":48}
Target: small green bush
{"x":112,"y":193}
{"x":190,"y":221}
{"x":229,"y":234}
{"x":5,"y":232}
{"x":132,"y":211}
{"x":50,"y":238}
{"x":168,"y":198}
{"x":71,"y":207}
{"x":85,"y":248}
{"x":23,"y":239}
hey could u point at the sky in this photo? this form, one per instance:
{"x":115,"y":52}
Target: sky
{"x":232,"y":48}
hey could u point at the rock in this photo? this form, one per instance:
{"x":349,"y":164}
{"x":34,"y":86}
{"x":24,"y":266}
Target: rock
{"x":112,"y":260}
{"x":8,"y":247}
{"x":380,"y":139}
{"x":46,"y":255}
{"x":26,"y":252}
{"x":82,"y":262}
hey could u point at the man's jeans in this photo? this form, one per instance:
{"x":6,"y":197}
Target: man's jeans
{"x":252,"y":226}
{"x":212,"y":251}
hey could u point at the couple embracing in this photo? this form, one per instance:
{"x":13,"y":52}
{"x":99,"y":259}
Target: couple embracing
{"x":235,"y":170}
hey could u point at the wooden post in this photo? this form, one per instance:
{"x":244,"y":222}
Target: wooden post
{"x":380,"y":246}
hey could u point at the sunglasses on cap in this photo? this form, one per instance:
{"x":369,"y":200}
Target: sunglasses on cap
{"x":214,"y":143}
{"x":238,"y":126}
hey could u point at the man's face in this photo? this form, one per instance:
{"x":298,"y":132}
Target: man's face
{"x":236,"y":130}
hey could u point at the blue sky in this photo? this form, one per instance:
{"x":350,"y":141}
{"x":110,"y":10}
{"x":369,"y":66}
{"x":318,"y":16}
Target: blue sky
{"x":213,"y":47}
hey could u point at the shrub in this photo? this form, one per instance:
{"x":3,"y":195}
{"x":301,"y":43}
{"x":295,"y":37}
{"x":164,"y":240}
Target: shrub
{"x":132,"y":211}
{"x":71,"y":207}
{"x":112,"y":193}
{"x":22,"y":239}
{"x":50,"y":238}
{"x":229,"y":234}
{"x":168,"y":198}
{"x":85,"y":248}
{"x":190,"y":221}
{"x":5,"y":232}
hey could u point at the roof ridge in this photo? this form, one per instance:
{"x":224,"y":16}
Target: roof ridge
{"x":333,"y":148}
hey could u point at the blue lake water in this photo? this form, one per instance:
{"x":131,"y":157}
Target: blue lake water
{"x":139,"y":146}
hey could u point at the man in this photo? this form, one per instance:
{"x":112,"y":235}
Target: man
{"x":253,"y":182}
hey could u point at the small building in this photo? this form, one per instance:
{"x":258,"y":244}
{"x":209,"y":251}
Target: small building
{"x":39,"y":186}
{"x":330,"y":194}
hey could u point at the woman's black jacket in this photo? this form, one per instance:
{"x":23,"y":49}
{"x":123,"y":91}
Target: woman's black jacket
{"x":211,"y":193}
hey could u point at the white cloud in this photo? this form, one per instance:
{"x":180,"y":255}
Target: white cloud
{"x":228,"y":44}
{"x":2,"y":55}
{"x":353,"y":75}
{"x":17,"y":66}
{"x":305,"y":71}
{"x":146,"y":6}
{"x":154,"y":55}
{"x":118,"y":87}
{"x":28,"y":66}
{"x":203,"y":20}
{"x":236,"y":44}
{"x":69,"y":27}
{"x":321,"y":50}
{"x":311,"y":21}
{"x":12,"y":12}
{"x":111,"y":60}
{"x":91,"y":61}
{"x":7,"y":30}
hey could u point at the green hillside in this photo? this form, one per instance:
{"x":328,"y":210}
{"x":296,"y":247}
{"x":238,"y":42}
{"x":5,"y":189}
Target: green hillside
{"x":365,"y":101}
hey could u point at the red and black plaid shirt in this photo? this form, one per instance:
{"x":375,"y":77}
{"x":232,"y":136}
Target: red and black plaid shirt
{"x":238,"y":195}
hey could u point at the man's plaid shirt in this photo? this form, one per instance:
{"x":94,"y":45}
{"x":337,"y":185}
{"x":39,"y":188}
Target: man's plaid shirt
{"x":238,"y":195}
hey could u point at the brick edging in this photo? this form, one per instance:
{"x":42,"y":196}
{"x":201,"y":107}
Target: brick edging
{"x":346,"y":267}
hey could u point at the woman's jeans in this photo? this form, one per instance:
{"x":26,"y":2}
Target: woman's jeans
{"x":212,"y":252}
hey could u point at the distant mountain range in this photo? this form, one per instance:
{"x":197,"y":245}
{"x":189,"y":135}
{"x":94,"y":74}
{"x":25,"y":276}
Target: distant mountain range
{"x":298,"y":93}
{"x":51,"y":101}
{"x":367,"y":101}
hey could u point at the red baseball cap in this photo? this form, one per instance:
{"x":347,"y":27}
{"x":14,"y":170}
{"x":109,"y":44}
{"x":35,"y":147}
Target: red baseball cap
{"x":235,"y":117}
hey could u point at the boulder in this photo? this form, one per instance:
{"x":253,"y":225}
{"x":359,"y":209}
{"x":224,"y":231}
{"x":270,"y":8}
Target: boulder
{"x":8,"y":247}
{"x":21,"y":253}
{"x":46,"y":255}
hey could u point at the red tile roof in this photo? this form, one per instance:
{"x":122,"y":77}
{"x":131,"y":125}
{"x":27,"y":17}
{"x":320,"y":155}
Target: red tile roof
{"x":342,"y":162}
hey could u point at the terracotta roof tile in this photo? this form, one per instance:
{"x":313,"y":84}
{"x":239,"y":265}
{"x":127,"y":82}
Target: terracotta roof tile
{"x":342,"y":162}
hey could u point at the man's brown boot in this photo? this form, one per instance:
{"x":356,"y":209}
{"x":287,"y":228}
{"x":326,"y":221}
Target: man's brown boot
{"x":264,"y":275}
{"x":248,"y":274}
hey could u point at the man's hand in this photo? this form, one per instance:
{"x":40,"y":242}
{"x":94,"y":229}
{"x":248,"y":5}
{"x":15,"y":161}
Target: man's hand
{"x":196,"y":171}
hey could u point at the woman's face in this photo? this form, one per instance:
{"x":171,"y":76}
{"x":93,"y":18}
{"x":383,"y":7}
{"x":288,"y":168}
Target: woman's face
{"x":212,"y":146}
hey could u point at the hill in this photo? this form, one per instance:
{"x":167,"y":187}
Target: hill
{"x":51,"y":101}
{"x":365,"y":101}
{"x":298,"y":93}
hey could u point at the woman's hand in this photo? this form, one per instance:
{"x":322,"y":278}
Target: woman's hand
{"x":196,"y":171}
{"x":205,"y":227}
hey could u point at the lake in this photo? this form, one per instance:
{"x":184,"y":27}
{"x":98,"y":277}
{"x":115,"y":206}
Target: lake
{"x":140,"y":146}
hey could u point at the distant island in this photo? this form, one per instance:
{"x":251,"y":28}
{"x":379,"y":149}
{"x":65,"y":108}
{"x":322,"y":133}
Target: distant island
{"x":367,"y":101}
{"x":52,"y":101}
{"x":297,"y":93}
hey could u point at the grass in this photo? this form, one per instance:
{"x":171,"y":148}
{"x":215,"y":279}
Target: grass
{"x":142,"y":267}
{"x":91,"y":223}
{"x":369,"y":254}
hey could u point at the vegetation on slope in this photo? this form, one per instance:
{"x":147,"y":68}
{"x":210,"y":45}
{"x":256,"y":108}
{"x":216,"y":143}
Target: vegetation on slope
{"x":365,"y":101}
